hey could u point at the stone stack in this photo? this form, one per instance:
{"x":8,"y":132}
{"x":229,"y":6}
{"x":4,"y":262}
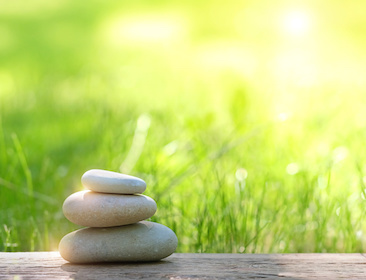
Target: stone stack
{"x":113,"y":210}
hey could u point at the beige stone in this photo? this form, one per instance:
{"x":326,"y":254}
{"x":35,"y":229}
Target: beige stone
{"x":112,"y":182}
{"x":92,"y":209}
{"x":143,"y":241}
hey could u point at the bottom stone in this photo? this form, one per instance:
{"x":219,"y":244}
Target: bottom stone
{"x":143,"y":241}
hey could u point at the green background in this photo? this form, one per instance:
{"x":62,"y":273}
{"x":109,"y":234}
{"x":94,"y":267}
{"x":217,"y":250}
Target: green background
{"x":246,"y":119}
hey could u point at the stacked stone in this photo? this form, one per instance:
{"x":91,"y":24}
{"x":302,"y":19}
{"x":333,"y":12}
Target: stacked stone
{"x":113,"y":210}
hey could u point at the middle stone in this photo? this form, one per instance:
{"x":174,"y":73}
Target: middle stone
{"x":92,"y":209}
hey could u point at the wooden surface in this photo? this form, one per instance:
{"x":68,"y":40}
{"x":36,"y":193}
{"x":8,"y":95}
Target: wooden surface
{"x":49,"y":265}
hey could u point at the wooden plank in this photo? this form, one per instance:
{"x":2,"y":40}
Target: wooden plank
{"x":49,"y":265}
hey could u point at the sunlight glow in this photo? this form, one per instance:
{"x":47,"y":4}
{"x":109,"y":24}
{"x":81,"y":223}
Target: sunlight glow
{"x":282,"y":117}
{"x":296,"y":23}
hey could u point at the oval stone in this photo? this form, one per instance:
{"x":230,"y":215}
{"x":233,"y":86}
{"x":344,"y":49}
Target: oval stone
{"x":143,"y":241}
{"x":92,"y":209}
{"x":112,"y":182}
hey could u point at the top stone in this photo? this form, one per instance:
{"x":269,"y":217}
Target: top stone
{"x":104,"y":181}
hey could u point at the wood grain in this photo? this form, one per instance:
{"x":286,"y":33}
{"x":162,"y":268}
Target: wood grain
{"x":49,"y":265}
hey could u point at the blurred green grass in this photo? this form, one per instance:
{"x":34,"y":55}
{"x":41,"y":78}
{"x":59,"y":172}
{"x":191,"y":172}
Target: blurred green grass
{"x":246,"y":120}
